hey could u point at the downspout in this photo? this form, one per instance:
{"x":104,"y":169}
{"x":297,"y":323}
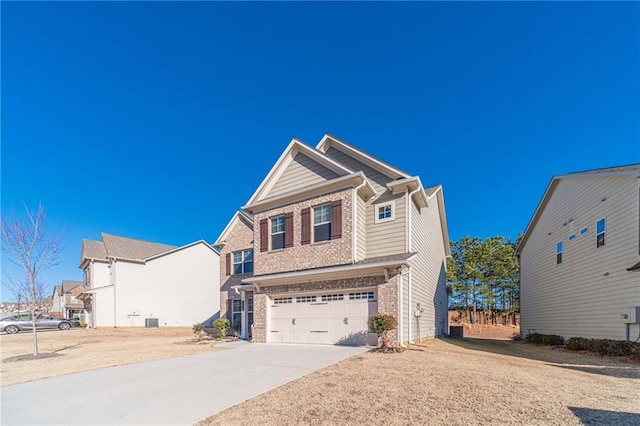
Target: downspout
{"x":410,"y":244}
{"x":354,"y":218}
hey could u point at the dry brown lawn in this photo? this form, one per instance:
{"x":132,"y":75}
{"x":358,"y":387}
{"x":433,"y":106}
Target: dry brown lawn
{"x":65,"y":352}
{"x":454,"y":382}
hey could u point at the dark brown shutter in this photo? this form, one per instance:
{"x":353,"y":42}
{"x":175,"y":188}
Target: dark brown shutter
{"x":228,"y":256}
{"x":264,"y":235}
{"x":305,"y":233}
{"x":288,"y":230}
{"x":230,"y":310}
{"x":336,"y":219}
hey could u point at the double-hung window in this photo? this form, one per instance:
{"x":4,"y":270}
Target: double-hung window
{"x":601,"y":227}
{"x":559,"y":252}
{"x":243,"y":261}
{"x":277,"y":232}
{"x":322,"y":223}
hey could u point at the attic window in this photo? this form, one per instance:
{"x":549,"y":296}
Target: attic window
{"x":385,"y":212}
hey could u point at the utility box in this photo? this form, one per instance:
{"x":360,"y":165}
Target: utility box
{"x":632,"y":316}
{"x":151,"y":322}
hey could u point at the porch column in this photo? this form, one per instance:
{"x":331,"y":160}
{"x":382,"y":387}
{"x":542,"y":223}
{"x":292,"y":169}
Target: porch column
{"x":243,"y":315}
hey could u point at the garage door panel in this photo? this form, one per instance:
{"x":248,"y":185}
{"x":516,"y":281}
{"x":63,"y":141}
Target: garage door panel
{"x":332,"y":322}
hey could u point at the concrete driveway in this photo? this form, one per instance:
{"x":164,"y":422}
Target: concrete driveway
{"x":175,"y":391}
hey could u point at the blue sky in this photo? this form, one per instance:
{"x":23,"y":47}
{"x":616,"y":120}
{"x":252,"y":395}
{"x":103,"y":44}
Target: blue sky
{"x":158,"y":120}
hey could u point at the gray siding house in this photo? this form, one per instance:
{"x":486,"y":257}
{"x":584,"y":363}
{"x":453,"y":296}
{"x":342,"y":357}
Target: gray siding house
{"x":580,"y":256}
{"x":332,"y":236}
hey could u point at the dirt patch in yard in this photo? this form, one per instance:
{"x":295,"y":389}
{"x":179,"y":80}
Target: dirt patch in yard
{"x":65,"y":352}
{"x":454,"y":381}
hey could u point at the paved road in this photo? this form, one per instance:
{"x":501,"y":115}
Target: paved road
{"x":175,"y":391}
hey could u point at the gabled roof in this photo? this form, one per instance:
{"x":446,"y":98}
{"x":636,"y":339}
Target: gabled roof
{"x":57,"y":290}
{"x":294,"y":147}
{"x":242,"y":215}
{"x":631,"y":170}
{"x":125,"y":248}
{"x":92,"y":250}
{"x":413,"y":184}
{"x":68,"y":285}
{"x":329,"y":140}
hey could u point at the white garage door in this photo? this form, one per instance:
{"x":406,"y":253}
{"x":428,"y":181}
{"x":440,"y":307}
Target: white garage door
{"x":336,"y":318}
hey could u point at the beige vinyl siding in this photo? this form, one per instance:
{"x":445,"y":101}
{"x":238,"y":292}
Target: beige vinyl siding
{"x":301,"y":172}
{"x":405,"y":312}
{"x":377,"y":179}
{"x":361,"y":228}
{"x":386,"y":238}
{"x":428,"y":273}
{"x":103,"y":307}
{"x":586,"y":294}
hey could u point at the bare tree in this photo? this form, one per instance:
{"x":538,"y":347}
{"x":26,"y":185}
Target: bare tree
{"x":32,"y":251}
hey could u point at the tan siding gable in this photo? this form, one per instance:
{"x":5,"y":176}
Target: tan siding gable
{"x":301,"y":172}
{"x":388,"y":237}
{"x":377,"y":179}
{"x":587,"y":293}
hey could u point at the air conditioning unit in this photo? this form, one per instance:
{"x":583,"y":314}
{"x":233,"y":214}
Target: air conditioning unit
{"x":151,"y":322}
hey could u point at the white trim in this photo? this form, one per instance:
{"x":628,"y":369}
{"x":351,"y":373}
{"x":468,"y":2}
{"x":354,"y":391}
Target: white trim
{"x":287,"y":156}
{"x":178,"y":249}
{"x":223,"y":235}
{"x":359,"y":270}
{"x":376,"y":212}
{"x":341,"y":182}
{"x":329,"y":140}
{"x":414,"y":185}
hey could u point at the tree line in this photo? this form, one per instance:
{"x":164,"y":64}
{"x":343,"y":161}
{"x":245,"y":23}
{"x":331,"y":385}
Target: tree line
{"x":484,"y":276}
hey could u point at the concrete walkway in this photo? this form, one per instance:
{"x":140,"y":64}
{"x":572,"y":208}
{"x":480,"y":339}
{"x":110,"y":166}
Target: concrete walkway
{"x":175,"y":391}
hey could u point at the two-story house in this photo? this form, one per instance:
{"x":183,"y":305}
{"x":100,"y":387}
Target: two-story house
{"x":580,"y":257}
{"x":332,"y":236}
{"x":65,"y":302}
{"x":131,"y":283}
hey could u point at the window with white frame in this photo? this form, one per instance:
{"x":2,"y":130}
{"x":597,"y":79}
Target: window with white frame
{"x":277,"y":232}
{"x":305,"y":299}
{"x":559,"y":252}
{"x":584,"y":230}
{"x":243,"y":261}
{"x":236,"y":314}
{"x":384,"y":212}
{"x":322,"y":223}
{"x":282,"y":300}
{"x":601,"y":227}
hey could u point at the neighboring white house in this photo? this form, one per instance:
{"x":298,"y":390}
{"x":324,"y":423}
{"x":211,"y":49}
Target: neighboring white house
{"x":580,"y":257}
{"x":130,"y":282}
